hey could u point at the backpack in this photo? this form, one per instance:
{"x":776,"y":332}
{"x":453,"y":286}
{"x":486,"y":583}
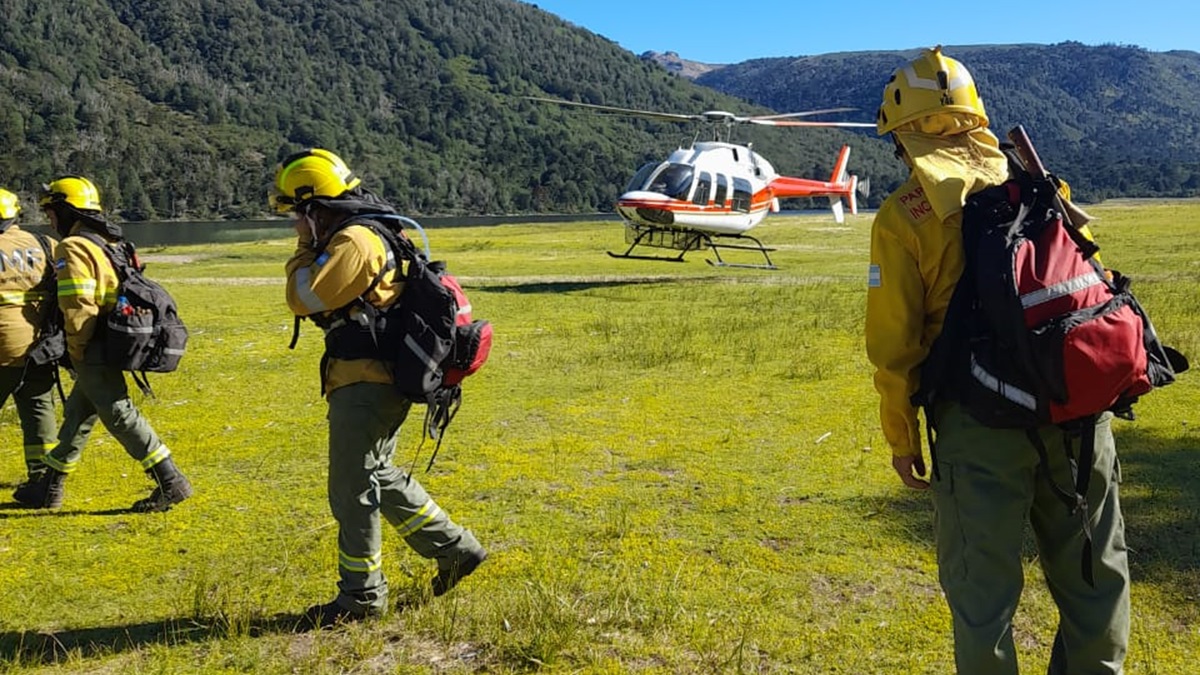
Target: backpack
{"x":143,"y":333}
{"x":428,"y":333}
{"x":49,"y":345}
{"x":50,"y":341}
{"x":1037,"y":331}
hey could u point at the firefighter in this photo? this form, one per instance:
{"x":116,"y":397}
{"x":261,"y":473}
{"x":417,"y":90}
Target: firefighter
{"x":337,"y":261}
{"x":987,"y":483}
{"x":26,"y":308}
{"x":87,"y":292}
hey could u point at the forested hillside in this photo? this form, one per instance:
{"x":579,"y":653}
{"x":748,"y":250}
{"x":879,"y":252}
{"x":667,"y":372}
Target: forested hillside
{"x":1116,"y":121}
{"x":181,"y":108}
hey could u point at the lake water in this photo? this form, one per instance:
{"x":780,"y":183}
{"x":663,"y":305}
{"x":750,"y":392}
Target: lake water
{"x":222,"y":231}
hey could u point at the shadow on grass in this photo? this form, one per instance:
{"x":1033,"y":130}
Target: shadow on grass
{"x":38,"y":648}
{"x":567,"y":286}
{"x":12,"y":510}
{"x":1160,"y":500}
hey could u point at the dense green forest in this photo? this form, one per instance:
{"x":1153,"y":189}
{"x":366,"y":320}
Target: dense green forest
{"x":181,"y":108}
{"x":1117,"y":121}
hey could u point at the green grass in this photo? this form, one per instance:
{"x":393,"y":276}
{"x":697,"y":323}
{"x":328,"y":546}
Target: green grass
{"x":677,"y":469}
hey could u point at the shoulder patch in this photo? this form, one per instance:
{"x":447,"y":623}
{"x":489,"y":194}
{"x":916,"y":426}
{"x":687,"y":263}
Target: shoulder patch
{"x":915,"y":204}
{"x":61,"y":263}
{"x":323,"y":258}
{"x":874,"y":277}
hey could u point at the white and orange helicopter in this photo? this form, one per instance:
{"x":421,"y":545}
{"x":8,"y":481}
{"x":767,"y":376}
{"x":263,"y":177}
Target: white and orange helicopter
{"x":711,"y":193}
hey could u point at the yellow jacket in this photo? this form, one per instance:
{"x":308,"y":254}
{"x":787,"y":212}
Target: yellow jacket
{"x":321,"y":284}
{"x":87,"y":289}
{"x":23,"y":265}
{"x":916,"y":260}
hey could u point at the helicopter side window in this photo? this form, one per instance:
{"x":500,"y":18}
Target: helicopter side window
{"x":703,"y":188}
{"x":638,"y":181}
{"x":722,"y":190}
{"x":741,"y":195}
{"x":674,"y":181}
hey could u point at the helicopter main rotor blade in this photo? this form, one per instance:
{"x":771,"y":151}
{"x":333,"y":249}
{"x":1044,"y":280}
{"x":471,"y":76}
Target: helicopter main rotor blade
{"x":806,"y":113}
{"x":620,"y":111}
{"x":796,"y":123}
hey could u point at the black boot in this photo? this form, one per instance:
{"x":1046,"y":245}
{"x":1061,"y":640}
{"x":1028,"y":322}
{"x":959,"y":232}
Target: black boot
{"x":450,"y":576}
{"x":43,"y":492}
{"x":333,"y":614}
{"x":172,"y":488}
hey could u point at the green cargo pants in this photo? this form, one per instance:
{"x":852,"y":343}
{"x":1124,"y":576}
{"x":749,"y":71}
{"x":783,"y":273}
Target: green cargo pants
{"x":100,"y":392}
{"x":364,"y":419}
{"x":990,"y":484}
{"x":32,"y":389}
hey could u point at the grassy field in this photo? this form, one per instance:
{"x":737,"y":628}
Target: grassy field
{"x":677,"y":469}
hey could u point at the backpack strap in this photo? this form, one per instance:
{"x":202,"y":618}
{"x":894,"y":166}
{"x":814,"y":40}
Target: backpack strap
{"x":120,"y":263}
{"x":1081,"y":476}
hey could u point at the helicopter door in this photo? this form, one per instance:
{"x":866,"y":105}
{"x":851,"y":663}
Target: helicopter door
{"x":703,"y":188}
{"x":722,"y":191}
{"x":741,"y":195}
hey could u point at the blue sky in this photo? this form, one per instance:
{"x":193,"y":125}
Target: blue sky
{"x":728,"y":32}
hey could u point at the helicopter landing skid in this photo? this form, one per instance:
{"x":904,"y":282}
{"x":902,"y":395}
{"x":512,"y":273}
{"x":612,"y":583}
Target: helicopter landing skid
{"x":692,"y":240}
{"x":716,"y":249}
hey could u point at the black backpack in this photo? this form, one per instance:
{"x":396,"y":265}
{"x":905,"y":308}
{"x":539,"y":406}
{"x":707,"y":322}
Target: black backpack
{"x":429,"y":333}
{"x":1037,"y":332}
{"x":50,"y":341}
{"x":143,"y":333}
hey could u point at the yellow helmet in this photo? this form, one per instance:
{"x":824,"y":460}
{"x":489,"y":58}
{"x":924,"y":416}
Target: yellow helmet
{"x":74,"y":190}
{"x":10,"y":206}
{"x":308,"y":174}
{"x":931,"y":83}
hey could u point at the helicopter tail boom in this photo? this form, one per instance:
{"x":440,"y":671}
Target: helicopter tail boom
{"x":841,"y":185}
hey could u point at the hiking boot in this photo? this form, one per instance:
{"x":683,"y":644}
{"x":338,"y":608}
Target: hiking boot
{"x":44,"y":492}
{"x":333,"y":614}
{"x":448,"y":578}
{"x":172,"y":487}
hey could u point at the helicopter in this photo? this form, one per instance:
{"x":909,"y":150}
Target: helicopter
{"x":709,"y":194}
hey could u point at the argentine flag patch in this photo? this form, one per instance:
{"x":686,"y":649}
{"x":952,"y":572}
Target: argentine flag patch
{"x":874,"y":277}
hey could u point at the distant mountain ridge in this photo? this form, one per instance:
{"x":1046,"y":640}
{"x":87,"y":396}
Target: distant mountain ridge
{"x":1114,"y":120}
{"x":678,"y":65}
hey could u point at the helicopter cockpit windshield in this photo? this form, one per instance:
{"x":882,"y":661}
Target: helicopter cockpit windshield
{"x":672,"y":180}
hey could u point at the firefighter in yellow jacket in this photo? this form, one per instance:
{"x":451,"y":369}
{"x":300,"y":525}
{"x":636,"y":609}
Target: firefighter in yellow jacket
{"x":87,"y":285}
{"x":985,"y":482}
{"x":26,"y":299}
{"x":337,"y":262}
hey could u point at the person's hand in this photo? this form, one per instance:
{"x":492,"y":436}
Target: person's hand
{"x":911,"y":468}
